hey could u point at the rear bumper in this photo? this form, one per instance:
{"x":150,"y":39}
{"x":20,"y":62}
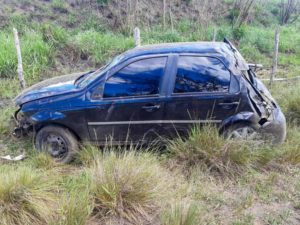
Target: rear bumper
{"x":276,"y":128}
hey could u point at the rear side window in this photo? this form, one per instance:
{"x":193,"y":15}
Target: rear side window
{"x":201,"y":74}
{"x":136,"y":79}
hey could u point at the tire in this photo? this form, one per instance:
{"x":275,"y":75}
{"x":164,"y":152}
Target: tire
{"x":242,"y":131}
{"x":57,"y":141}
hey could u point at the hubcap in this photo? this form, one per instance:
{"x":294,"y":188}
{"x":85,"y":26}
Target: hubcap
{"x":55,"y":145}
{"x":244,"y":133}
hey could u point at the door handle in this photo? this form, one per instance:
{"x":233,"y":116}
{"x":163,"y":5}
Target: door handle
{"x":151,"y":108}
{"x":228,"y":105}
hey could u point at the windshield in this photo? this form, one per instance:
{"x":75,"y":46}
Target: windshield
{"x":103,"y":70}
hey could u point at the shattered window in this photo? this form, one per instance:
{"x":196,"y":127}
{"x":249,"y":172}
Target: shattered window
{"x":201,"y":74}
{"x":138,"y":78}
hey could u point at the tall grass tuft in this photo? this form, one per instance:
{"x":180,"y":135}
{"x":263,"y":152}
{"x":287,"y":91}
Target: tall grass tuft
{"x":128,"y":186}
{"x":26,"y":197}
{"x":207,"y":149}
{"x":76,"y":208}
{"x":88,"y":155}
{"x":180,"y":214}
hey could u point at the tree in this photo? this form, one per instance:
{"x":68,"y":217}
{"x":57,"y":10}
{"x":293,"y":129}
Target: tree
{"x":289,"y":11}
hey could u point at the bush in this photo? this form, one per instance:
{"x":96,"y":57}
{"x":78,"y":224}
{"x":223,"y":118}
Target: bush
{"x":128,"y":185}
{"x":26,"y":197}
{"x":239,"y":32}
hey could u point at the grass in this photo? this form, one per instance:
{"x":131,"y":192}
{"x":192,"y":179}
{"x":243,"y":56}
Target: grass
{"x":180,"y":214}
{"x":204,"y":147}
{"x":204,"y":179}
{"x":128,"y":185}
{"x":27,"y":192}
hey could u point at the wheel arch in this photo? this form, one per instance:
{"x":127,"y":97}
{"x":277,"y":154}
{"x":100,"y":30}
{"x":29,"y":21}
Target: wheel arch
{"x":247,"y":118}
{"x":39,"y":126}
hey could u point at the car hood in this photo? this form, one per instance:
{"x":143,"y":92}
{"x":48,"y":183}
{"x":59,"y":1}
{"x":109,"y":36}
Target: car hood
{"x":50,"y":87}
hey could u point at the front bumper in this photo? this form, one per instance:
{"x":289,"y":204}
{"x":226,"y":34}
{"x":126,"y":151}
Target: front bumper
{"x":275,"y":128}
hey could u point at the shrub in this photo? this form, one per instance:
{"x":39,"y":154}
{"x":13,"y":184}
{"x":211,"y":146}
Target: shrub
{"x":128,"y":185}
{"x":26,"y":197}
{"x":239,"y":32}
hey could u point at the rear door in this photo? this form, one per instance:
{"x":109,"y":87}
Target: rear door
{"x":130,"y":107}
{"x":200,"y":94}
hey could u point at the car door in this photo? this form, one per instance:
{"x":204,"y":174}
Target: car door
{"x":130,"y":107}
{"x":200,"y":94}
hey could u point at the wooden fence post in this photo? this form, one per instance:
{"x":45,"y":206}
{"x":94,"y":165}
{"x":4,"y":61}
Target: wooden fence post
{"x":164,"y":13}
{"x":275,"y":56}
{"x":215,"y":34}
{"x":20,"y":66}
{"x":137,"y":37}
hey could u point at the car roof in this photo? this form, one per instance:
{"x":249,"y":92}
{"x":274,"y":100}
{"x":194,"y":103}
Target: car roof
{"x":180,"y":47}
{"x":222,"y":50}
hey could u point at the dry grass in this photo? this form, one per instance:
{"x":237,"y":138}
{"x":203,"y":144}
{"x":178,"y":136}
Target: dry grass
{"x":128,"y":186}
{"x":182,"y":213}
{"x":26,"y":197}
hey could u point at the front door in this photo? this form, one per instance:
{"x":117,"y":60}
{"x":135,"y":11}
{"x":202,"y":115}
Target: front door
{"x":131,"y":107}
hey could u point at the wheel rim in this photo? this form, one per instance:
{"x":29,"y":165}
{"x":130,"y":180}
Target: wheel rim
{"x":244,"y":133}
{"x":55,"y":145}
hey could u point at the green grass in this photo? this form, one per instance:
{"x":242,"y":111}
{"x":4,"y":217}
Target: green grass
{"x":37,"y":55}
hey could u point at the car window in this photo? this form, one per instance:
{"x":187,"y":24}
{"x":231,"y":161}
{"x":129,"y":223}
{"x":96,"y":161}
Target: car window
{"x":138,"y":78}
{"x":201,"y":74}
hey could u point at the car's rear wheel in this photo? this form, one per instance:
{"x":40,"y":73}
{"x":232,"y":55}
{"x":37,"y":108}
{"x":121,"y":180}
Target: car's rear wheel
{"x":243,"y":131}
{"x":59,"y":142}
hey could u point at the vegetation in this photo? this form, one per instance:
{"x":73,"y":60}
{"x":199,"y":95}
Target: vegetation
{"x":203,"y":179}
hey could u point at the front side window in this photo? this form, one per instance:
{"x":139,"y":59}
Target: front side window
{"x":201,"y":74}
{"x":136,"y":79}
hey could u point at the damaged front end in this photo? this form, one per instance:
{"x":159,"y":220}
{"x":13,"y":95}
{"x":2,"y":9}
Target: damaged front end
{"x":23,"y":126}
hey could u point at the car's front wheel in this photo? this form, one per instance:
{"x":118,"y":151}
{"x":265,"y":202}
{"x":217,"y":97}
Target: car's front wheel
{"x":57,"y":141}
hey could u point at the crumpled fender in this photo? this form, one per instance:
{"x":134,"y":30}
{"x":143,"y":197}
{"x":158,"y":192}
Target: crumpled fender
{"x":46,"y":116}
{"x":248,"y":117}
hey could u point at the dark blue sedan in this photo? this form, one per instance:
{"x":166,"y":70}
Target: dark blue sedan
{"x":149,"y":92}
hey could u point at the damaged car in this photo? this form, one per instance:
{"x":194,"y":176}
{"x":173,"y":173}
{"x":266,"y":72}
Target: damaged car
{"x":149,"y":92}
